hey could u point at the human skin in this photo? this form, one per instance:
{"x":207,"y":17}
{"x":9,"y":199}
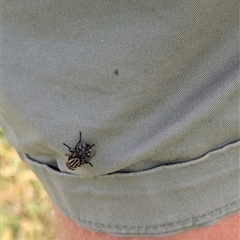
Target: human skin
{"x":226,"y":229}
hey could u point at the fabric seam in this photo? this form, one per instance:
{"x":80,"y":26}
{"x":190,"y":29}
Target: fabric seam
{"x":182,"y":222}
{"x":165,"y":165}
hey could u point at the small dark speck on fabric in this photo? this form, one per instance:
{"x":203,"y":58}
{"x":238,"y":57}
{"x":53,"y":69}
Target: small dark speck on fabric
{"x":116,"y":72}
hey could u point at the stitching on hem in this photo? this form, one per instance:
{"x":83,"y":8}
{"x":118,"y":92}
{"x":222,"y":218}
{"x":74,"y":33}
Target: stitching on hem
{"x":182,"y":222}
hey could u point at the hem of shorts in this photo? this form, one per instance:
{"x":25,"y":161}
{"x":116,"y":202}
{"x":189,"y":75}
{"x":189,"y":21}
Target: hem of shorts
{"x":163,"y":229}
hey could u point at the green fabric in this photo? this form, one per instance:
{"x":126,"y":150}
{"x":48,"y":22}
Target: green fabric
{"x":153,"y":84}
